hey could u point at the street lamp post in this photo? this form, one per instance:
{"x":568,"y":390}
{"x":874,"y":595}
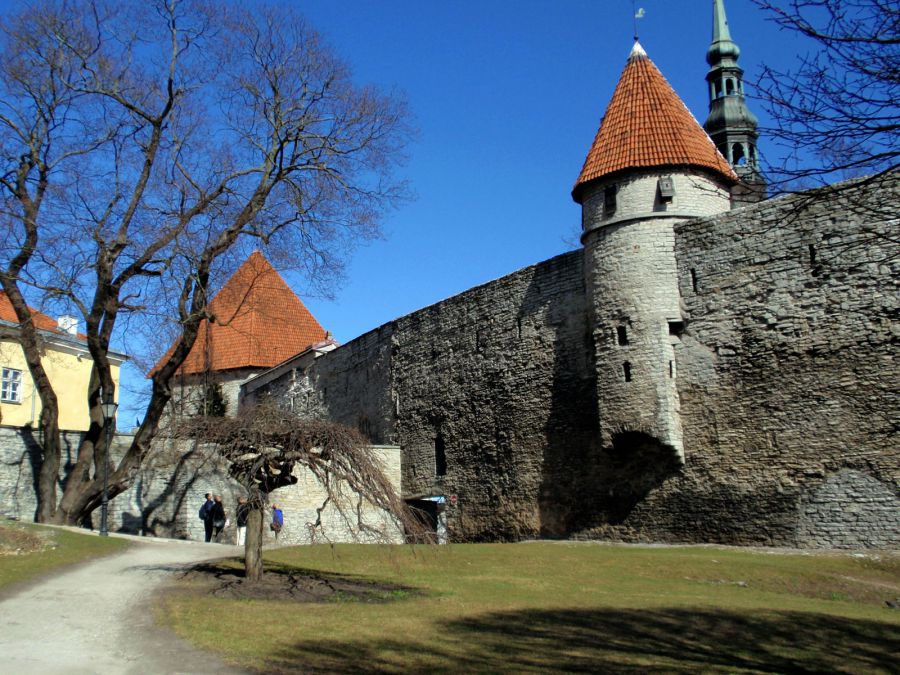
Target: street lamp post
{"x":109,"y":414}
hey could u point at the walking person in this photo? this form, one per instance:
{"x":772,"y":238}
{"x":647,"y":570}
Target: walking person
{"x":240,"y":518}
{"x":206,"y":516}
{"x":218,"y":517}
{"x":277,"y":520}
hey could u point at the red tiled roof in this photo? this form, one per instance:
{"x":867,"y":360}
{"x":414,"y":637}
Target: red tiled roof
{"x":41,"y":320}
{"x":648,"y":125}
{"x":258,"y":323}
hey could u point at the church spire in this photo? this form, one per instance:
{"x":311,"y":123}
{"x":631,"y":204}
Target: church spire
{"x":722,"y":45}
{"x":730,"y":124}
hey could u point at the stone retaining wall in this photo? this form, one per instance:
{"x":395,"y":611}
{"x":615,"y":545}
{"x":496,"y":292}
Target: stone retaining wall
{"x":170,"y":487}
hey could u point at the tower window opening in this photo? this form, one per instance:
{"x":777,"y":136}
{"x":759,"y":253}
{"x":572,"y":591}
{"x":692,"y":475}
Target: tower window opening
{"x":737,"y":154}
{"x":622,"y":335}
{"x":694,"y":279}
{"x":718,"y":89}
{"x":609,"y":200}
{"x":676,"y":328}
{"x":440,"y":456}
{"x":626,"y":370}
{"x":729,"y":87}
{"x":672,"y":369}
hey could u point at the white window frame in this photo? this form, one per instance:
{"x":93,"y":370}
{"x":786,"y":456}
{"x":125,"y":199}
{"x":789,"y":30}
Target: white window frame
{"x":11,"y":386}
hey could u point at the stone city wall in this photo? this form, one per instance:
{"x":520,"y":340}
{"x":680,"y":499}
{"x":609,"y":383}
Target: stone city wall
{"x":785,"y":371}
{"x":787,"y":377}
{"x":489,"y":393}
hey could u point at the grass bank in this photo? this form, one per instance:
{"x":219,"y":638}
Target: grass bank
{"x":561,"y":606}
{"x":28,"y":551}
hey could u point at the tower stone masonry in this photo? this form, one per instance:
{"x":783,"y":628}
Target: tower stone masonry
{"x":634,"y":186}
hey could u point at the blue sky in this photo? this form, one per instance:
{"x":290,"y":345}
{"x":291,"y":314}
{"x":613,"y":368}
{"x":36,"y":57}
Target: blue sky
{"x":507,"y":96}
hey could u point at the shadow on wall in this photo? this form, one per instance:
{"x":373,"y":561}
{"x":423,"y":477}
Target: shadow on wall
{"x":555,"y":324}
{"x":582,"y":485}
{"x":635,"y":465}
{"x":69,"y":442}
{"x":33,"y":452}
{"x":160,"y":516}
{"x":625,"y":641}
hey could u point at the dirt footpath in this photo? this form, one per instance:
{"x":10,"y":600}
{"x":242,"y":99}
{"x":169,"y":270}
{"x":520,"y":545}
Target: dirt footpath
{"x":95,"y":618}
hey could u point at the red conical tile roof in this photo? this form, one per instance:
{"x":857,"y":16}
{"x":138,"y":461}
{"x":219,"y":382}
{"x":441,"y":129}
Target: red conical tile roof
{"x":648,"y":125}
{"x":259,"y":323}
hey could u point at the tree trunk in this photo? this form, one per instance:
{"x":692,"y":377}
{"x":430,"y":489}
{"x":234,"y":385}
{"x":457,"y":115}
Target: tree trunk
{"x":48,"y":477}
{"x":253,"y":561}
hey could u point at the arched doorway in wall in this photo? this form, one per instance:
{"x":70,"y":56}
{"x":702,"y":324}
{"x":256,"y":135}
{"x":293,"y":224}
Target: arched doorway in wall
{"x":431,"y":512}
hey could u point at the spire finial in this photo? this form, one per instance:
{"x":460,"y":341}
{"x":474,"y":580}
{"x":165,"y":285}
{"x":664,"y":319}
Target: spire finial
{"x":722,"y":47}
{"x":720,"y":22}
{"x":637,"y":14}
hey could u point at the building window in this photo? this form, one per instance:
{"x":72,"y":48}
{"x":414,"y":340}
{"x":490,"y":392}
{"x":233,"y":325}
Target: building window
{"x":11,"y":391}
{"x":440,"y":456}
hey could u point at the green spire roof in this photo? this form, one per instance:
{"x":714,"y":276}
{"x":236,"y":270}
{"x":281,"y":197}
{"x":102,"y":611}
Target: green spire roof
{"x":722,"y":47}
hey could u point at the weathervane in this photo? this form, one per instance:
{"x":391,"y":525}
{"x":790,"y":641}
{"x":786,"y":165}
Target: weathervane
{"x":638,"y":14}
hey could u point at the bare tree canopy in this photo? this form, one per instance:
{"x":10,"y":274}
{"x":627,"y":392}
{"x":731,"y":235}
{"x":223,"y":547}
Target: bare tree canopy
{"x":146,"y":146}
{"x":265,"y":444}
{"x":836,"y":115}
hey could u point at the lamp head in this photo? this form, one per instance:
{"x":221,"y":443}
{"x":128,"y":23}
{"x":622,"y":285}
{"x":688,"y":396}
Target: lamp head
{"x":109,"y":409}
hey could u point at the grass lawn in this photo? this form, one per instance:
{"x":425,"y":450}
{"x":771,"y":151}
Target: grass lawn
{"x":562,"y":606}
{"x":27,"y":551}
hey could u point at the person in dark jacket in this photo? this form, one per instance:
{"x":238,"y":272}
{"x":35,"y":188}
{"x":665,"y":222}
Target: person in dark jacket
{"x":218,"y":517}
{"x":206,"y":516}
{"x":240,"y":519}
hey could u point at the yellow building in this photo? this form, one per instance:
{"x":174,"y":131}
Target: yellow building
{"x":68,"y":365}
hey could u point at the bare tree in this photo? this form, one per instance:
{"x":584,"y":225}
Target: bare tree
{"x":836,"y":114}
{"x":144,"y":147}
{"x":265,"y":444}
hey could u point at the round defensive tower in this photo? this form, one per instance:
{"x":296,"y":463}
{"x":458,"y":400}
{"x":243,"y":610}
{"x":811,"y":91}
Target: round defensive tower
{"x":651,"y":166}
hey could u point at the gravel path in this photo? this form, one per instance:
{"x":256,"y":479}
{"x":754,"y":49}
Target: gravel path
{"x":95,"y":618}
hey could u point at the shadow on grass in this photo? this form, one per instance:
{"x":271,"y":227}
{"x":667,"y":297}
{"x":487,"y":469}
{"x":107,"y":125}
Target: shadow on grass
{"x":673,"y":640}
{"x":226,"y":579}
